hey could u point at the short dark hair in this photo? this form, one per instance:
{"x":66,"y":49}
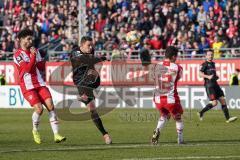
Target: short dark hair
{"x":24,"y":33}
{"x":85,"y":39}
{"x":171,"y":51}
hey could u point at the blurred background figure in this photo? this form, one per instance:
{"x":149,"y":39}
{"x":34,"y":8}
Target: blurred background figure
{"x":234,"y":80}
{"x":2,"y":80}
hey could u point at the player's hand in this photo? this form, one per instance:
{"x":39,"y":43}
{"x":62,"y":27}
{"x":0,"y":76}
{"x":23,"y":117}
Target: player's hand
{"x":33,"y":51}
{"x":210,"y":77}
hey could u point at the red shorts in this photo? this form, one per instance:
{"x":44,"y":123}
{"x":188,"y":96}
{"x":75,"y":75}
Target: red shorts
{"x":166,"y":109}
{"x":37,"y":95}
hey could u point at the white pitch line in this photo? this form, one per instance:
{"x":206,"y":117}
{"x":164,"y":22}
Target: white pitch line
{"x":116,"y":146}
{"x":188,"y":157}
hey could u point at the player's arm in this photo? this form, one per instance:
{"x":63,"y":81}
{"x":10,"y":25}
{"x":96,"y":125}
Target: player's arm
{"x":99,"y":59}
{"x":202,"y":75}
{"x":180,"y":72}
{"x":202,"y":70}
{"x":24,"y":66}
{"x":40,"y":62}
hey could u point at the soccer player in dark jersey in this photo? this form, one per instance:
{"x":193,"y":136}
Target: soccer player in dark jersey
{"x":86,"y":78}
{"x":214,"y":92}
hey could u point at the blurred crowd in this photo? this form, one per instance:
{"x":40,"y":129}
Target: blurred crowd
{"x":188,"y":24}
{"x":51,"y":20}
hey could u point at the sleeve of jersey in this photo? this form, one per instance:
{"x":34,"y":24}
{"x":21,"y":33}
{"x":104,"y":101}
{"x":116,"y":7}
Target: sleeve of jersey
{"x":40,"y":62}
{"x":24,"y":66}
{"x":180,"y":72}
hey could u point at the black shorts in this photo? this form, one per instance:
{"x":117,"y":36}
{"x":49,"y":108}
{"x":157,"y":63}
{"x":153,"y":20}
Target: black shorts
{"x":87,"y":90}
{"x":214,"y":92}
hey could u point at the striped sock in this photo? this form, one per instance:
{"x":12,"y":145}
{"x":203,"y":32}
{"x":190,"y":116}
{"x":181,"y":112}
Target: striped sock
{"x":53,"y":121}
{"x":35,"y":121}
{"x":161,"y":123}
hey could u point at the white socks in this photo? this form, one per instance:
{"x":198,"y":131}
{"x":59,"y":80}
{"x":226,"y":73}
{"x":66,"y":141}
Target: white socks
{"x":35,"y":121}
{"x":179,"y":127}
{"x":161,"y":123}
{"x":53,"y":121}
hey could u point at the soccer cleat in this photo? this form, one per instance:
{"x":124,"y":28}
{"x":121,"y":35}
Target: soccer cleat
{"x":200,"y":116}
{"x":155,"y":137}
{"x":231,"y":119}
{"x":107,"y":139}
{"x":58,"y":138}
{"x":36,"y":137}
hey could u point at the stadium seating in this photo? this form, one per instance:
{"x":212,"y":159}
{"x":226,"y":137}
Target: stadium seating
{"x":188,"y":24}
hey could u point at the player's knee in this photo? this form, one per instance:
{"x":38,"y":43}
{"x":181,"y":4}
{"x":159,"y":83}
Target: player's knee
{"x":49,"y":104}
{"x":214,"y":103}
{"x":38,"y":109}
{"x":164,"y":118}
{"x":91,"y":106}
{"x":177,"y":117}
{"x":222,"y":101}
{"x":86,"y":99}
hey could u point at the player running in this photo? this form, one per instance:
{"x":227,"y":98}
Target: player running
{"x":214,"y":92}
{"x":166,"y":75}
{"x":29,"y":64}
{"x":86,"y":78}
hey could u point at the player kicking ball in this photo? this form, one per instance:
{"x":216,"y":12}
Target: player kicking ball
{"x":214,"y":92}
{"x":29,"y":64}
{"x":86,"y":78}
{"x":166,"y":75}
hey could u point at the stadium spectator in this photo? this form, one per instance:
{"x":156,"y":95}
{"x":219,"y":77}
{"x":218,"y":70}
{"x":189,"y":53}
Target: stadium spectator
{"x":217,"y":45}
{"x":164,"y":18}
{"x":45,"y":17}
{"x":234,"y":79}
{"x":2,"y":80}
{"x":203,"y":45}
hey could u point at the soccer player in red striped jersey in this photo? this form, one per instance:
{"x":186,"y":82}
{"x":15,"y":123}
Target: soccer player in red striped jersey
{"x":166,"y":75}
{"x":30,"y":64}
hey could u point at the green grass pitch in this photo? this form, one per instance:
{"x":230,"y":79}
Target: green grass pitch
{"x":130,"y":130}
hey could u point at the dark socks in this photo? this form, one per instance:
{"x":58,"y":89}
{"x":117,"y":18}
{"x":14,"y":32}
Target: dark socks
{"x":98,"y":122}
{"x":205,"y":109}
{"x":225,"y":111}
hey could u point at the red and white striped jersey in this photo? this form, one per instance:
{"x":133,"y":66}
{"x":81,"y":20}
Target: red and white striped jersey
{"x":29,"y":67}
{"x":166,"y":75}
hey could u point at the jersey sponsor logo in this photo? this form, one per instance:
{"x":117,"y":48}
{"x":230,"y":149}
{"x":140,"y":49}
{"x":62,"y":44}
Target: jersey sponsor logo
{"x":25,"y":57}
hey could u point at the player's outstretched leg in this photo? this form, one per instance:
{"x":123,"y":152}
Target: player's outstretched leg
{"x":98,"y":122}
{"x":36,"y":121}
{"x":156,"y":133}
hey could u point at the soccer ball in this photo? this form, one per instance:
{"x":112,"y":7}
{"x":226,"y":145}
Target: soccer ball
{"x":133,"y":37}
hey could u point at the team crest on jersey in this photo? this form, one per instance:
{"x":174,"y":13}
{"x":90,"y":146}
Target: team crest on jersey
{"x":19,"y":59}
